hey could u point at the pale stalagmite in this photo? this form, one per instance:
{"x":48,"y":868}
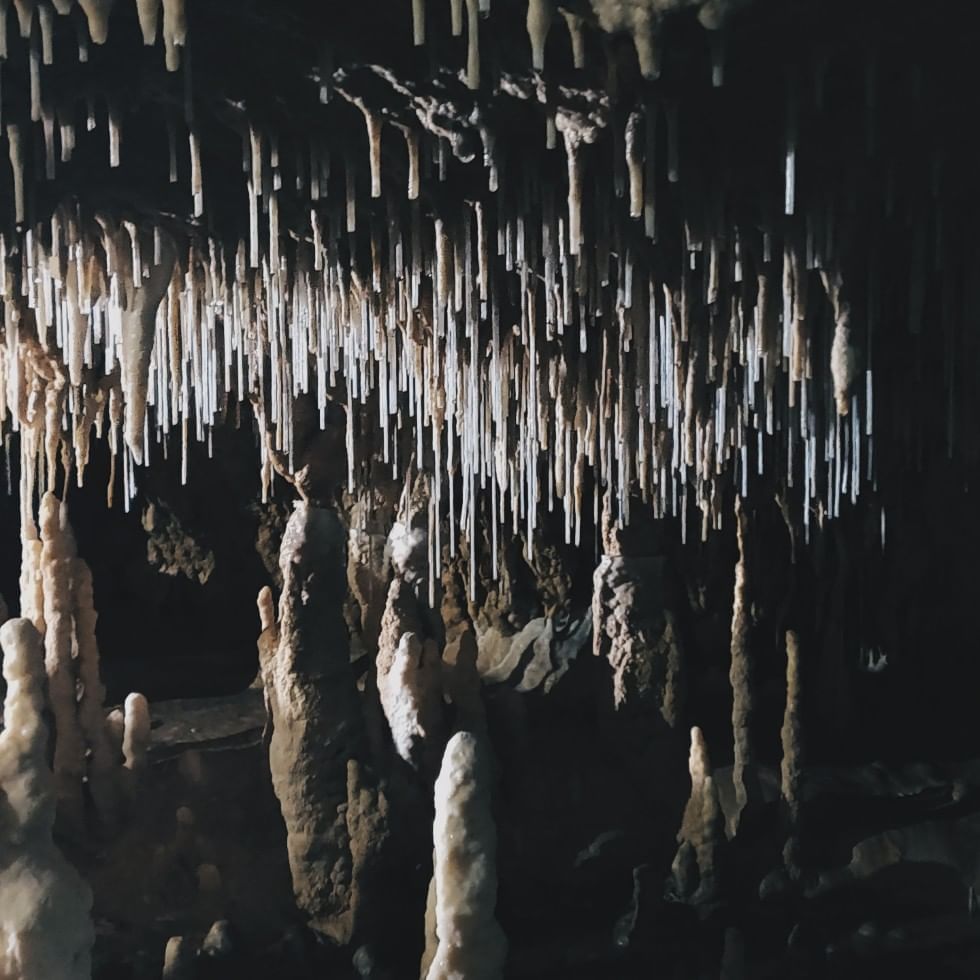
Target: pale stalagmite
{"x":471,"y":943}
{"x":45,"y":929}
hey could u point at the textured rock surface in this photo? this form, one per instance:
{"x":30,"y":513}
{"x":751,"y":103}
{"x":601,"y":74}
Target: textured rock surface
{"x":45,"y":928}
{"x":317,"y":727}
{"x":470,"y":942}
{"x":636,"y":633}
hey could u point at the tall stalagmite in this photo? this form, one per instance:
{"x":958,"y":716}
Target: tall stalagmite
{"x":741,"y":672}
{"x":471,"y":943}
{"x":316,"y":720}
{"x":45,"y":929}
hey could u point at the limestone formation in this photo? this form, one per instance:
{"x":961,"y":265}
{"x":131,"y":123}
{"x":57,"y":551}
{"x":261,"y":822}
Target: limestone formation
{"x":316,"y":721}
{"x":45,"y":929}
{"x":633,"y":628}
{"x":470,"y":942}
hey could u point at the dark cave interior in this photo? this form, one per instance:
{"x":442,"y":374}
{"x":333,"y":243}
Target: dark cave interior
{"x":599,"y":438}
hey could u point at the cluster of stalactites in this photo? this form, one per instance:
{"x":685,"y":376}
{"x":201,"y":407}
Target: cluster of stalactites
{"x":601,"y":376}
{"x":529,"y":348}
{"x":36,"y":24}
{"x":641,"y":19}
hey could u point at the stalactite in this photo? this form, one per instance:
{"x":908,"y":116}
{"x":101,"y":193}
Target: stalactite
{"x":575,"y":23}
{"x":634,"y":164}
{"x":137,"y":332}
{"x":25,"y":15}
{"x":46,"y":22}
{"x":698,"y":385}
{"x":538,"y":25}
{"x":149,"y":18}
{"x":97,"y":13}
{"x":17,"y":165}
{"x":373,"y":122}
{"x":174,"y":31}
{"x":472,"y":44}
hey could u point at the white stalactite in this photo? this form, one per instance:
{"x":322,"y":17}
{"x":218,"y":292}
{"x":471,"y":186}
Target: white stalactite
{"x":149,"y":18}
{"x":97,"y":13}
{"x":538,"y":25}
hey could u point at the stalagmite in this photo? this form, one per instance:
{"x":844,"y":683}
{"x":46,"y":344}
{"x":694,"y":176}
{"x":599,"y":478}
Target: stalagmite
{"x":635,"y":631}
{"x":792,"y":728}
{"x":57,"y":564}
{"x":740,"y":672}
{"x":136,"y":732}
{"x":411,"y":696}
{"x":46,"y":932}
{"x":179,"y":959}
{"x":733,"y":956}
{"x":31,"y":567}
{"x":91,"y":713}
{"x":316,"y":723}
{"x":791,"y":768}
{"x":408,"y":662}
{"x":471,"y":943}
{"x":701,"y":832}
{"x":431,"y":938}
